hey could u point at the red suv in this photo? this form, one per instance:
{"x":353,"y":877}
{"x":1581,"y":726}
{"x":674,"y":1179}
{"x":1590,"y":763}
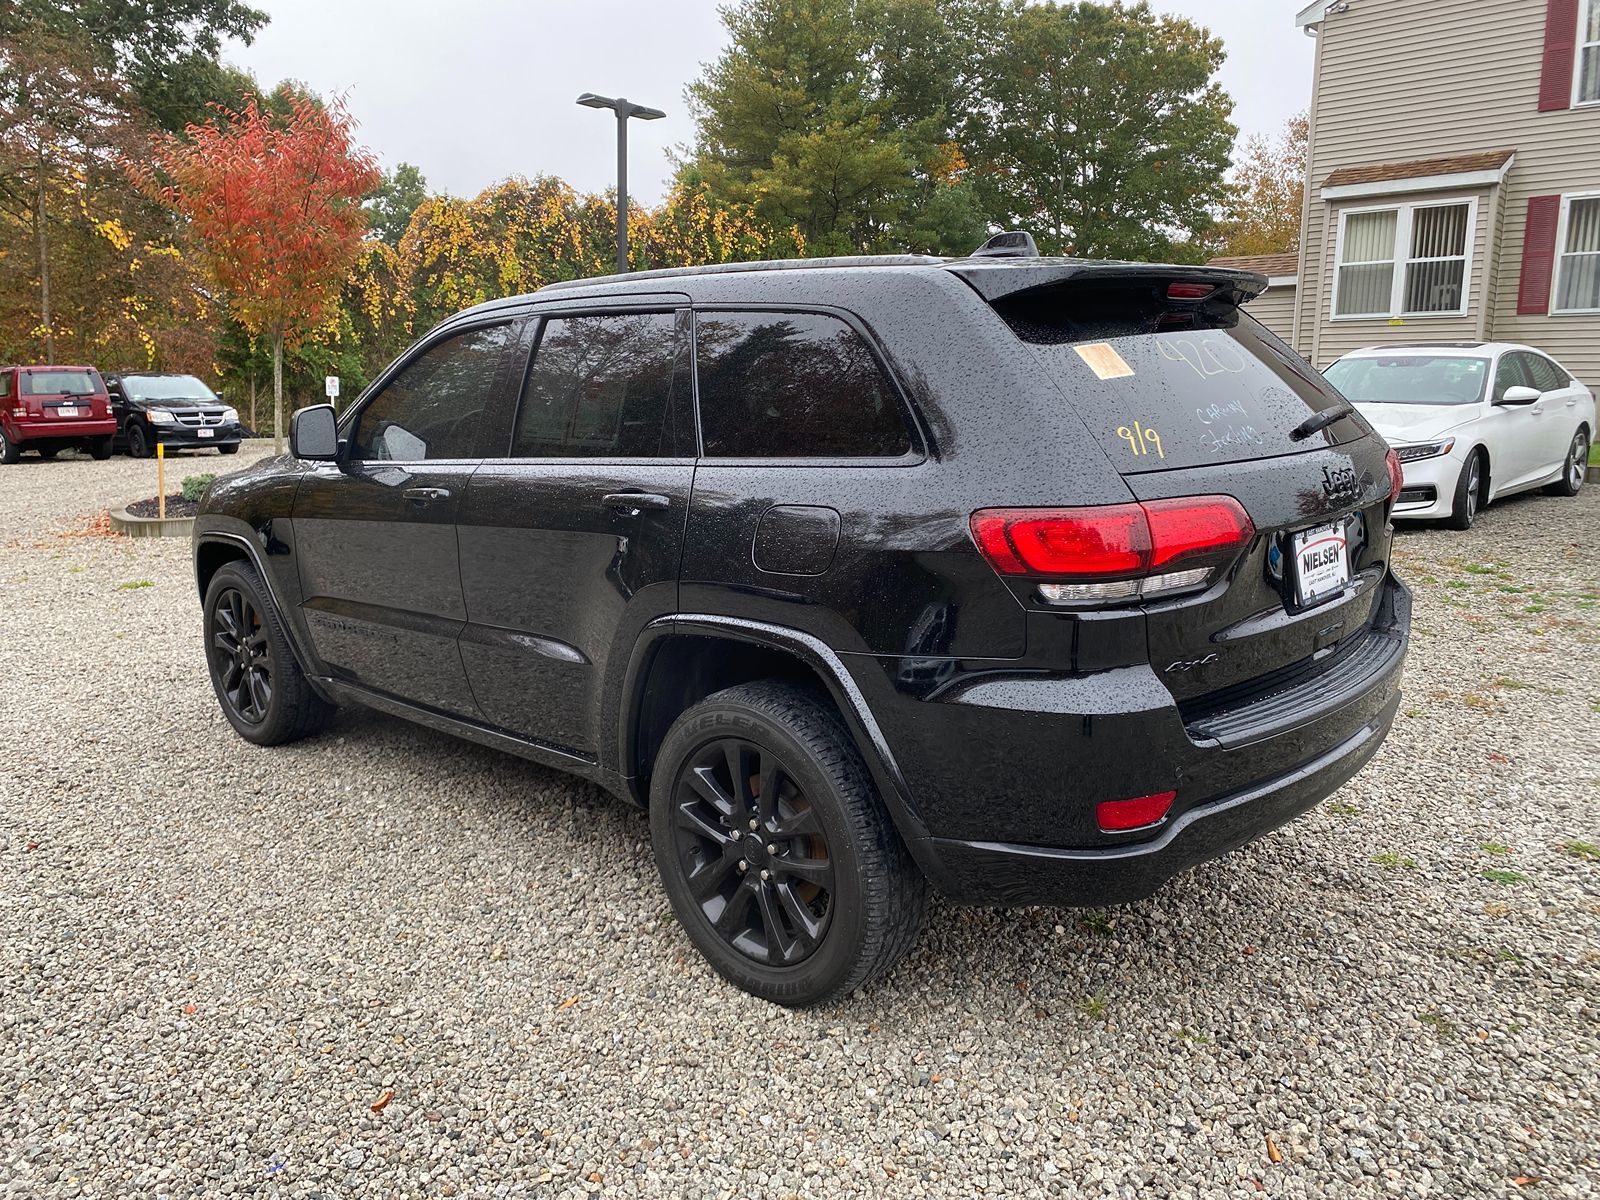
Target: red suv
{"x":50,"y":408}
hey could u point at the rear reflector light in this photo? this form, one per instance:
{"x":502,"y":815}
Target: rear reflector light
{"x":1115,"y":816}
{"x":1397,"y":475}
{"x":1115,"y":552}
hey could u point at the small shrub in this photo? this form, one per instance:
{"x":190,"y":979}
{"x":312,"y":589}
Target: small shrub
{"x":194,"y":486}
{"x":1494,"y":875}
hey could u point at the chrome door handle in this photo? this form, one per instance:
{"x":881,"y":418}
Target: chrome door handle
{"x":426,"y":495}
{"x":634,"y":503}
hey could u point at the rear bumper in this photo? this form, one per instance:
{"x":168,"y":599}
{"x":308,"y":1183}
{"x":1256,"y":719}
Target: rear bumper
{"x":997,"y":873}
{"x":53,"y":431}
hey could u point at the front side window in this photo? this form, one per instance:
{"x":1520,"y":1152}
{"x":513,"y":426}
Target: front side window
{"x":603,"y":387}
{"x":1513,"y":372}
{"x":793,"y":385}
{"x":1578,"y":271}
{"x":1589,"y":52}
{"x":434,"y":407}
{"x":1410,"y":260}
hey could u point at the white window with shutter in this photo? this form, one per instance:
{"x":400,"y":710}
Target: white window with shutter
{"x":1407,"y":260}
{"x":1586,"y":86}
{"x":1578,"y":256}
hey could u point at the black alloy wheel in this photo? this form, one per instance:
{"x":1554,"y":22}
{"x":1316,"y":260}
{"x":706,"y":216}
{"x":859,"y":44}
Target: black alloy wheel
{"x":241,"y":656}
{"x":752,"y":852}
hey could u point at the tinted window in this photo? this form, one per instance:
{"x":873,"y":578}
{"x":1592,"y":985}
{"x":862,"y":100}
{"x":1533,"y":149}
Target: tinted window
{"x":1547,"y":377}
{"x":434,"y":407}
{"x":1411,"y":379}
{"x":603,"y":386}
{"x":1511,"y":373}
{"x":1170,"y":385}
{"x":793,"y":385}
{"x":52,"y":383}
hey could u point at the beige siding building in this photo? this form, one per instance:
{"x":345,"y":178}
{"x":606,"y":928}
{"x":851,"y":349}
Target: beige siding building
{"x":1453,"y":183}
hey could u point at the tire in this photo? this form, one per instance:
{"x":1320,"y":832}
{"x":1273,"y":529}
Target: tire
{"x":49,"y":452}
{"x":1574,"y":469}
{"x":1469,"y":493}
{"x":138,"y":441}
{"x":245,"y":646}
{"x":233,"y":449}
{"x":100,"y":447}
{"x":798,"y":937}
{"x":10,"y":452}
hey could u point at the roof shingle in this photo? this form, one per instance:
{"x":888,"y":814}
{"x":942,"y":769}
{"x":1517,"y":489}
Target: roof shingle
{"x":1273,"y":266}
{"x":1420,"y":168}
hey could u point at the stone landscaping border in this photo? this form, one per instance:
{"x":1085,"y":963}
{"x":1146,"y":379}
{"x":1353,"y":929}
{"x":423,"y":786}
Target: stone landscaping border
{"x":128,"y":525}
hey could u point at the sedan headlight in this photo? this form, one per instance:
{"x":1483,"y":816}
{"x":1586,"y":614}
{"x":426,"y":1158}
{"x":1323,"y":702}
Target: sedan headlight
{"x":230,"y":416}
{"x":160,"y":416}
{"x":1425,"y":450}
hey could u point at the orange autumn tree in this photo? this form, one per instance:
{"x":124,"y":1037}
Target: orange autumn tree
{"x":273,"y":203}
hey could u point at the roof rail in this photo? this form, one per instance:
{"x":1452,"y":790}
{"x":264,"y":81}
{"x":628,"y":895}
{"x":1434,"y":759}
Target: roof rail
{"x":777,"y":264}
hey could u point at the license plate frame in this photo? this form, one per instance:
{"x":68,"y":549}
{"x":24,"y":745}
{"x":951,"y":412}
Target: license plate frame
{"x":1330,"y":574}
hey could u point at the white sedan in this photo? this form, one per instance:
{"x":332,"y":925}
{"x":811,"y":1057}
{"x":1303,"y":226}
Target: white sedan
{"x":1471,"y":422}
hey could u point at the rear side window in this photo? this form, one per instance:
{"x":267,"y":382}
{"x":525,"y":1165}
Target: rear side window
{"x":434,"y":408}
{"x":1547,"y":377}
{"x":603,"y":387}
{"x":793,"y":385}
{"x":1164,"y":385}
{"x":54,"y":383}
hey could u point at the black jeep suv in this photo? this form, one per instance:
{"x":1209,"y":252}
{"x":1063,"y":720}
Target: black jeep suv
{"x":1033,"y":580}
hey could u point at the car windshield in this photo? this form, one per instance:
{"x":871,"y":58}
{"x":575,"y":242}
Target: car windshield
{"x":56,"y":383}
{"x":167,"y":387}
{"x":1411,"y":378}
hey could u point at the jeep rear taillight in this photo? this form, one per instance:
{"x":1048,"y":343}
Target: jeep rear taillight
{"x":1397,"y":475}
{"x":1115,"y":552}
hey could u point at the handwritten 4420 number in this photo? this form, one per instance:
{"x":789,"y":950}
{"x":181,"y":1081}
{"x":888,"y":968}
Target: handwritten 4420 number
{"x":1141,"y":439}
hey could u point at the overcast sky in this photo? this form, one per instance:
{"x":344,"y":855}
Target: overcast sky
{"x":472,"y":91}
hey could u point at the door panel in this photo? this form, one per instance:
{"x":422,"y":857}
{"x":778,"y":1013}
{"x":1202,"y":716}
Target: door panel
{"x":557,"y":580}
{"x":380,"y":577}
{"x":1513,"y":431}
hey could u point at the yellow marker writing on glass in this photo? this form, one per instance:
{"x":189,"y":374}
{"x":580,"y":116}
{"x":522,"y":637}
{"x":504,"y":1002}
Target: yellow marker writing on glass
{"x":1141,"y":440}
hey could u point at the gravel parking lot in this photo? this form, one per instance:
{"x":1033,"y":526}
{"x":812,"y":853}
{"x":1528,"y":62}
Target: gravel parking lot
{"x":383,"y":962}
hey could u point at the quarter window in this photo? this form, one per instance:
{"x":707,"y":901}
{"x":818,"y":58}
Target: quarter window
{"x":1578,"y":271}
{"x":434,"y":408}
{"x":1410,"y":260}
{"x":1546,"y":376}
{"x":603,"y":386}
{"x":793,"y":385}
{"x":5,"y":383}
{"x":1589,"y":53}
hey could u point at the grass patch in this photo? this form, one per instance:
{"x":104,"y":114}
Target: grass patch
{"x":1343,"y":808}
{"x":1494,"y":847}
{"x":1395,"y":861}
{"x":1508,"y":956}
{"x":134,"y":584}
{"x":1479,"y":569}
{"x":1440,"y":1024}
{"x":1094,"y":1007}
{"x":1587,"y":851}
{"x":1511,"y":685}
{"x":1457,"y":585}
{"x":1097,"y":924}
{"x":1497,"y":875}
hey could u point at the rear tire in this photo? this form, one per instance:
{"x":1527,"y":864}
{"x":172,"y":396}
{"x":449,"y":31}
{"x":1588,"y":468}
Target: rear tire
{"x":49,"y":452}
{"x":261,"y":689}
{"x":776,"y":851}
{"x":100,"y":447}
{"x":138,"y":441}
{"x":10,"y":452}
{"x":1574,"y":469}
{"x":1469,"y":493}
{"x":233,"y":449}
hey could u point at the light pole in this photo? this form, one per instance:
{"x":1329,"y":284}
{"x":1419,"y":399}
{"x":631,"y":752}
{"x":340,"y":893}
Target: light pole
{"x":624,"y":108}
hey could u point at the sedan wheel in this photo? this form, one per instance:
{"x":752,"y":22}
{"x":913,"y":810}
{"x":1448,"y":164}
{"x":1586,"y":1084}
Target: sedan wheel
{"x":1575,"y":469}
{"x":1469,"y":493}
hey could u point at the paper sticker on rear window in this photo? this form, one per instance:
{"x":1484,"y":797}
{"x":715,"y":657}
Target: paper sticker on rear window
{"x":1104,"y":361}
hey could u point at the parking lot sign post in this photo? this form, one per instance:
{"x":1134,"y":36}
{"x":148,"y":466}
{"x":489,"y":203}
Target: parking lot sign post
{"x":331,"y":384}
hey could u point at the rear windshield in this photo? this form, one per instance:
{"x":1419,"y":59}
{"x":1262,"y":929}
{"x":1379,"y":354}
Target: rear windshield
{"x":57,"y":383}
{"x":166,"y":387}
{"x":1411,"y":379}
{"x":1165,"y":385}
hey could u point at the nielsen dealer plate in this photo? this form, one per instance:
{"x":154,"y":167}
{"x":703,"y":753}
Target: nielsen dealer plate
{"x":1321,"y":562}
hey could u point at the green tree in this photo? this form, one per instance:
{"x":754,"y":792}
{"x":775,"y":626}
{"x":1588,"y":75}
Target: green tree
{"x":1262,"y":213}
{"x":389,"y":208}
{"x":1102,"y":130}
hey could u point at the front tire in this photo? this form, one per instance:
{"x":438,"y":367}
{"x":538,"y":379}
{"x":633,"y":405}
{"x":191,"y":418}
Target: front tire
{"x":138,"y":441}
{"x":260,"y":687}
{"x":778,"y":856}
{"x":1469,"y":493}
{"x":233,"y":449}
{"x":1574,"y":470}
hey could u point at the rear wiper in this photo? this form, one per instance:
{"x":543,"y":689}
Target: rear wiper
{"x":1321,"y":420}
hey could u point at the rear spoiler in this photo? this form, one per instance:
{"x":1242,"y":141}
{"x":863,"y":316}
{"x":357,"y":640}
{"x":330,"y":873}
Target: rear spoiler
{"x":997,"y":279}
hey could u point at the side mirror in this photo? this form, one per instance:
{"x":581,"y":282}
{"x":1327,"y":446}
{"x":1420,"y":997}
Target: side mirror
{"x":314,"y":434}
{"x":1520,"y":395}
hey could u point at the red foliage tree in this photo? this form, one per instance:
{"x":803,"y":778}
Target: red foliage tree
{"x":274,"y":204}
